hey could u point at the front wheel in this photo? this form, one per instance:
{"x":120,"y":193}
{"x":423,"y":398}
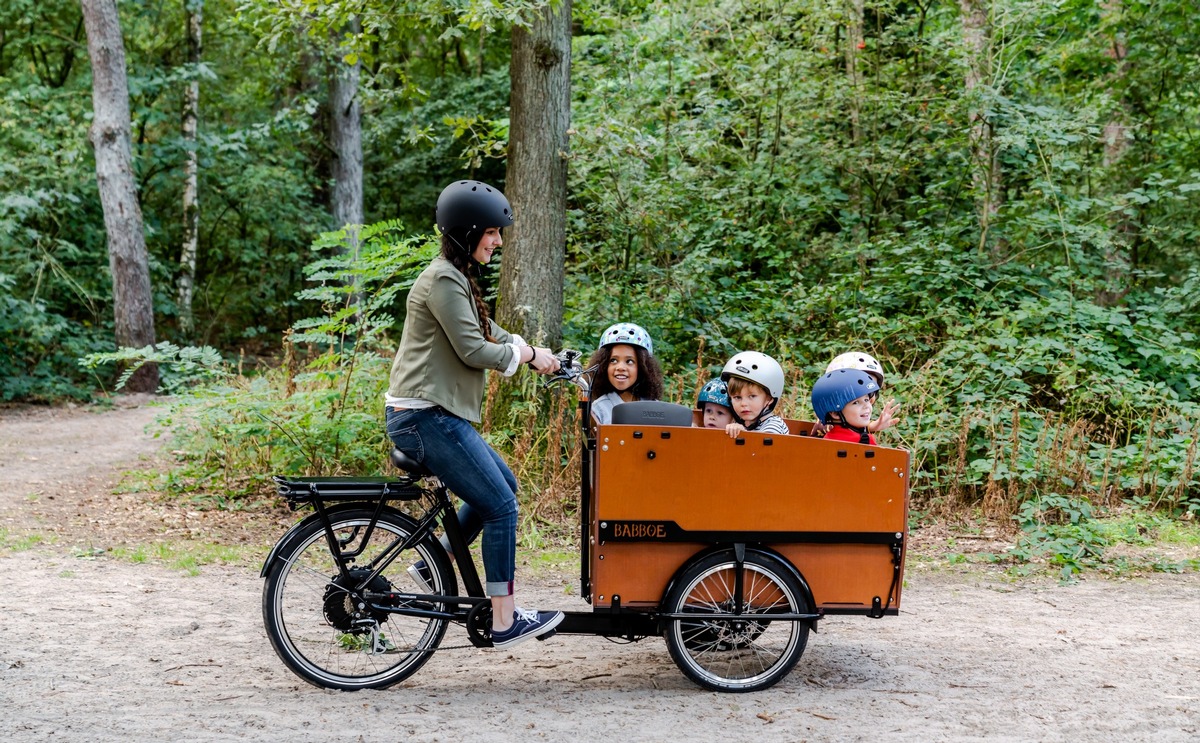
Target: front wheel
{"x":751,"y":652}
{"x":318,"y":621}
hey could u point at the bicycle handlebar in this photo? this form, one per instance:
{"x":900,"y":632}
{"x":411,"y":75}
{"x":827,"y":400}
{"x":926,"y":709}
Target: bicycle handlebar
{"x":570,"y":370}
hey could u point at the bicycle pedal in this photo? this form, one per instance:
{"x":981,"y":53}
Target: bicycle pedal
{"x":547,"y":635}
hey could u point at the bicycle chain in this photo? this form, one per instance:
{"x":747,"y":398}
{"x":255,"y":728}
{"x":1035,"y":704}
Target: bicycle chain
{"x":450,"y":647}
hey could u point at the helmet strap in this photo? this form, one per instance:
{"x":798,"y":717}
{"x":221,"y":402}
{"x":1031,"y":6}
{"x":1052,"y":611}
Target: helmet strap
{"x":766,"y":411}
{"x":864,"y":434}
{"x":463,"y":248}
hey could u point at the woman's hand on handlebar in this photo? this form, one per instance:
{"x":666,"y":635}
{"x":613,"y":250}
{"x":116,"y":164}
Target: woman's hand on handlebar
{"x":544,"y":361}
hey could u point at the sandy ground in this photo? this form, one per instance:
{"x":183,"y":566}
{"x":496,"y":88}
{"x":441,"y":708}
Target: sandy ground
{"x":94,"y":648}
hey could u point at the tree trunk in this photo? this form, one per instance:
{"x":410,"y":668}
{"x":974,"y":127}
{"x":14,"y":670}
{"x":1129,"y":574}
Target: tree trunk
{"x":985,"y":171}
{"x":855,"y":165}
{"x":1116,"y":135}
{"x":1116,"y":142}
{"x":531,"y":274}
{"x":127,"y":259}
{"x":345,"y":136}
{"x":854,"y":44}
{"x":194,"y":10}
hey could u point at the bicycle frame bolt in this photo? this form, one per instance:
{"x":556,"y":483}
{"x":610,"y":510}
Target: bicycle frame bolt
{"x":604,"y":448}
{"x":899,"y":535}
{"x":603,"y":524}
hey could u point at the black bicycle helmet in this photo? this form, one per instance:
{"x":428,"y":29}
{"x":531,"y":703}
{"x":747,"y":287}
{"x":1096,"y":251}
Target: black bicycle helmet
{"x":471,"y":206}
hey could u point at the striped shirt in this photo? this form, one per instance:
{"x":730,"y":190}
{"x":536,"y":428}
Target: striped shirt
{"x":770,"y":424}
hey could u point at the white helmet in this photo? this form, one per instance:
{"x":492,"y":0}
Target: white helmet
{"x":627,"y":333}
{"x":858,"y":360}
{"x":758,"y":368}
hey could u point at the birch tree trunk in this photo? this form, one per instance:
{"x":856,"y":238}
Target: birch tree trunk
{"x":985,"y":162}
{"x":854,"y":44}
{"x":1119,"y":255}
{"x":345,"y":135}
{"x":194,"y":10}
{"x":531,"y":274}
{"x":1116,"y":135}
{"x":133,"y":307}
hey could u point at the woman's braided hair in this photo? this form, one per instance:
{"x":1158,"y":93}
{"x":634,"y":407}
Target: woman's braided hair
{"x":457,"y":246}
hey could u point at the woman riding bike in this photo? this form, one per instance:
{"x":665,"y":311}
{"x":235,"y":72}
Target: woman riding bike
{"x":436,"y":391}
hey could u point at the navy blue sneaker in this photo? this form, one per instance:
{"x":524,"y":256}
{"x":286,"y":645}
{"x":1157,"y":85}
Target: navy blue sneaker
{"x":421,"y":575}
{"x":526,"y":624}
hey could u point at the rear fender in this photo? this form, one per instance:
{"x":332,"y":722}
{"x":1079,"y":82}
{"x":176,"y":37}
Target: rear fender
{"x":293,"y":533}
{"x":750,"y":548}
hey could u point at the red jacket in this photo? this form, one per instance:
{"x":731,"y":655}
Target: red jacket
{"x":841,"y":433}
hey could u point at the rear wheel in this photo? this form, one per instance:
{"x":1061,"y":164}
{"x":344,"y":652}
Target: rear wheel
{"x":751,"y":652}
{"x":323,"y":628}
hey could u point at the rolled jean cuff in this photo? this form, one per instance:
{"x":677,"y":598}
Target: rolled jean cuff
{"x":503,"y":588}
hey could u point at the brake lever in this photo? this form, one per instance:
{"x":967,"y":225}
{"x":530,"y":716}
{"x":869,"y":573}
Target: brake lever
{"x":569,"y":368}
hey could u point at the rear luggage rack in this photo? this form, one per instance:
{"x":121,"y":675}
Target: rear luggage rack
{"x":307,"y":489}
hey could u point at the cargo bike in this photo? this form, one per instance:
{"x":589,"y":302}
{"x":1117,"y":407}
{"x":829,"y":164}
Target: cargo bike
{"x":729,"y":549}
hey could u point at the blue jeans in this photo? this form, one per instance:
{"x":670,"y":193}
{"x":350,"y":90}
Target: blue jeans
{"x":455,"y":452}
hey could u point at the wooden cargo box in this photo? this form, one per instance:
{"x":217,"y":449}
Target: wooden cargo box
{"x":838,"y":512}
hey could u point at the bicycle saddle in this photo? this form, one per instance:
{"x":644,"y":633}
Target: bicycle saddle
{"x":408,"y":464}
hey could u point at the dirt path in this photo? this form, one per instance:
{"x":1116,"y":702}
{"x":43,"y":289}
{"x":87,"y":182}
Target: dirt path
{"x":96,"y":649}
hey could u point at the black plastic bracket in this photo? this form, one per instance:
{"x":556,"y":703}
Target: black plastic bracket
{"x":739,"y":577}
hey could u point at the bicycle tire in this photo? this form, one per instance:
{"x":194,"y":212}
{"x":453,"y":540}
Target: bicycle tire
{"x":319,"y":628}
{"x":742,"y":655}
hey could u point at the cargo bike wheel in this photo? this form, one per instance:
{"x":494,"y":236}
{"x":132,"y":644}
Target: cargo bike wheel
{"x":323,"y":628}
{"x":748,"y":652}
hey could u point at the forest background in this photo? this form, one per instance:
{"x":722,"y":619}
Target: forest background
{"x":997,"y":198}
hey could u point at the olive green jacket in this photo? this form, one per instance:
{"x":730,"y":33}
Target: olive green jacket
{"x":443,"y":354}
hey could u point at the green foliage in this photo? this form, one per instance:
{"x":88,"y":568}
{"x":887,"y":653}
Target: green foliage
{"x":739,"y":192}
{"x":1066,"y":536}
{"x":179,"y":368}
{"x":316,"y":415}
{"x":731,"y":187}
{"x":38,"y":349}
{"x":1062,"y":532}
